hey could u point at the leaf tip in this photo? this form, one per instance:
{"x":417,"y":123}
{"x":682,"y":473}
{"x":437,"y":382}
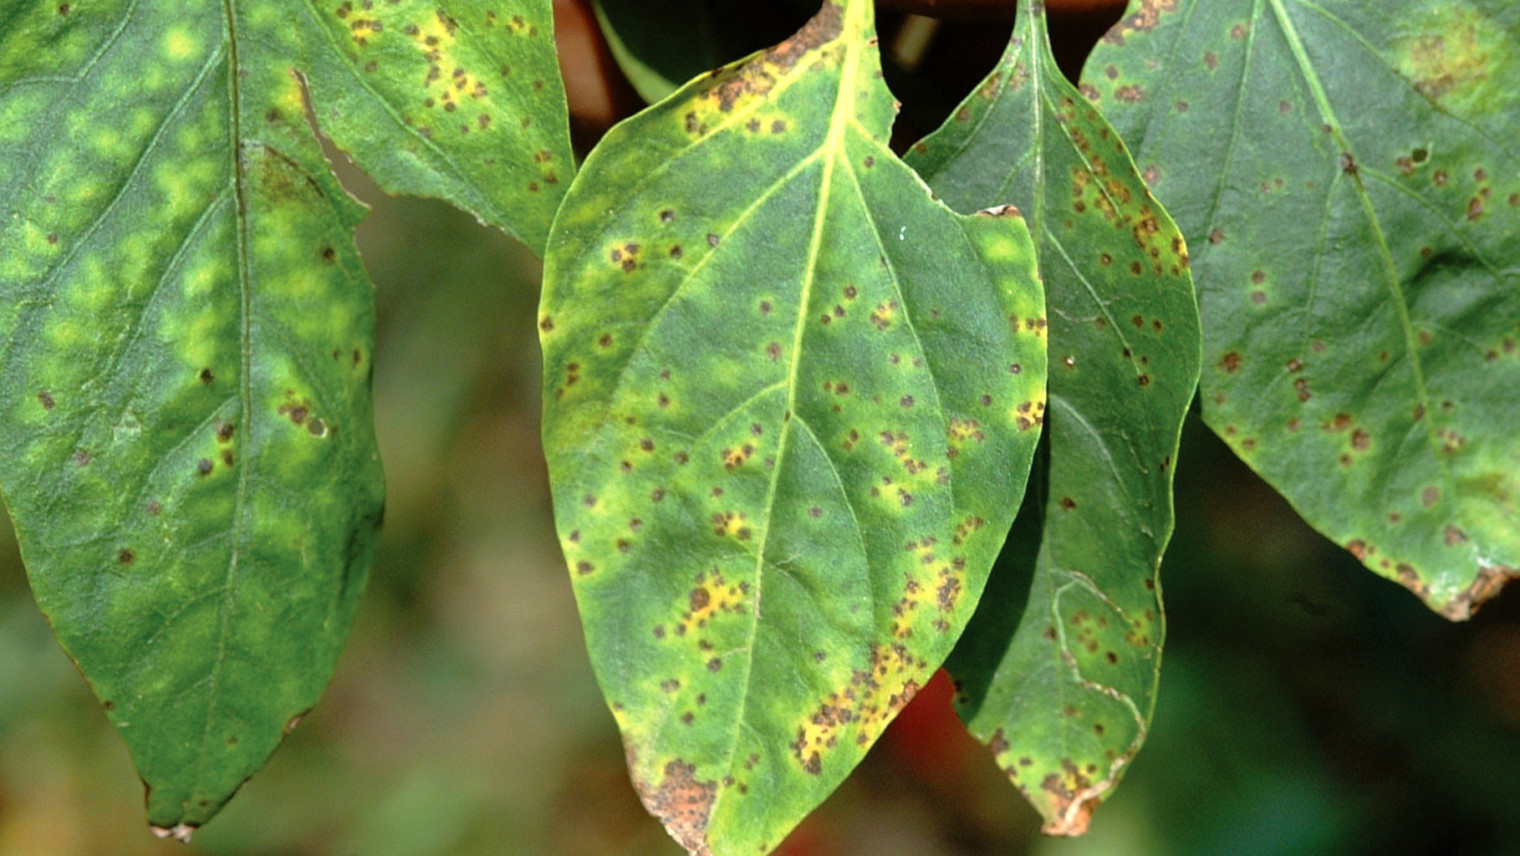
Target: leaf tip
{"x":180,"y":832}
{"x":680,"y":802}
{"x":1490,"y":582}
{"x":1072,"y":819}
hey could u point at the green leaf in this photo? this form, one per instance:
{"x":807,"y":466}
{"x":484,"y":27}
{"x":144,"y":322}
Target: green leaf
{"x":1063,"y":693}
{"x":1348,"y":178}
{"x":661,"y":44}
{"x":186,"y":334}
{"x":790,"y":408}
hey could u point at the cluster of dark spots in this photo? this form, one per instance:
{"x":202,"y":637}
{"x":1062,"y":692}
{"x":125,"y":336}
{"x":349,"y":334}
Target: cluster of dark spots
{"x":626,"y":256}
{"x":45,"y":398}
{"x":1030,"y":415}
{"x":1301,"y":387}
{"x":737,"y":457}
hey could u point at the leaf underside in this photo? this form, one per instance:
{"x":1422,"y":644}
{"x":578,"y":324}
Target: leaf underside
{"x":790,"y":405}
{"x":1348,"y":178}
{"x":1063,"y":694}
{"x":186,"y":332}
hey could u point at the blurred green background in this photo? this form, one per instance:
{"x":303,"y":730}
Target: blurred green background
{"x":1306,"y":707}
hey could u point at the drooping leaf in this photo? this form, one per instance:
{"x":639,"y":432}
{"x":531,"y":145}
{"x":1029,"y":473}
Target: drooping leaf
{"x":661,"y":44}
{"x":1348,"y":178}
{"x":790,"y":404}
{"x":186,"y":332}
{"x":1063,"y":693}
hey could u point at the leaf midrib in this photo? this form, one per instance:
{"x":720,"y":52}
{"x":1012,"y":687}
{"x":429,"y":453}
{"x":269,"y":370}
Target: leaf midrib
{"x":831,"y":152}
{"x":245,"y":383}
{"x":1385,"y":255}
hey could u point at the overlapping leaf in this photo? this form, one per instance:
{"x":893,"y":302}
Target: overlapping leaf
{"x":1348,"y":178}
{"x":1063,"y":694}
{"x":661,"y":44}
{"x":186,"y":331}
{"x":790,"y":407}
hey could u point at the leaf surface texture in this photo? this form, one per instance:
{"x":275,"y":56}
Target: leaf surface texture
{"x":1347,"y":177}
{"x":1063,"y":692}
{"x":186,"y":331}
{"x":790,"y":405}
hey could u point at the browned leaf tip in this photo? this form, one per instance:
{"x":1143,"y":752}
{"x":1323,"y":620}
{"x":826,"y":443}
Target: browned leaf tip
{"x":681,"y":803}
{"x":1491,"y":580}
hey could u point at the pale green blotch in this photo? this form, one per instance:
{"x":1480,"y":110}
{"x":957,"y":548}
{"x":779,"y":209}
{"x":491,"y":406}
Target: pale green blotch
{"x":67,"y":334}
{"x":19,"y":109}
{"x":143,"y":122}
{"x":204,"y":275}
{"x":187,"y":185}
{"x":181,"y":46}
{"x":37,"y":244}
{"x":1460,"y":59}
{"x":199,"y":339}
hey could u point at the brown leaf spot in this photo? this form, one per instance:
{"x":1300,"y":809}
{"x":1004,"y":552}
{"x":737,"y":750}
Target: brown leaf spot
{"x":1491,"y":579}
{"x":681,"y":803}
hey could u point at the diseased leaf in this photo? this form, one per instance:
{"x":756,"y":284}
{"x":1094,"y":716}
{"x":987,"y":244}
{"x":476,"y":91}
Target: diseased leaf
{"x":790,"y":404}
{"x":1063,"y":693}
{"x":186,"y":333}
{"x":1348,"y":177}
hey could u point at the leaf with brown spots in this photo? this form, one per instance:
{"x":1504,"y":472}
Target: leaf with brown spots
{"x":187,"y":332}
{"x":821,"y":414}
{"x":1064,"y":694}
{"x":1355,"y":171}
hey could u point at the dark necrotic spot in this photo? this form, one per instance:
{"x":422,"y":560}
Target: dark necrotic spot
{"x":203,"y":466}
{"x":126,"y":556}
{"x":207,"y":376}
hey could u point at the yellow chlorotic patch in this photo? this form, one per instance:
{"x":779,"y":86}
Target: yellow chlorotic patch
{"x":863,"y":708}
{"x":712,"y":595}
{"x":1029,"y":413}
{"x":179,"y":45}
